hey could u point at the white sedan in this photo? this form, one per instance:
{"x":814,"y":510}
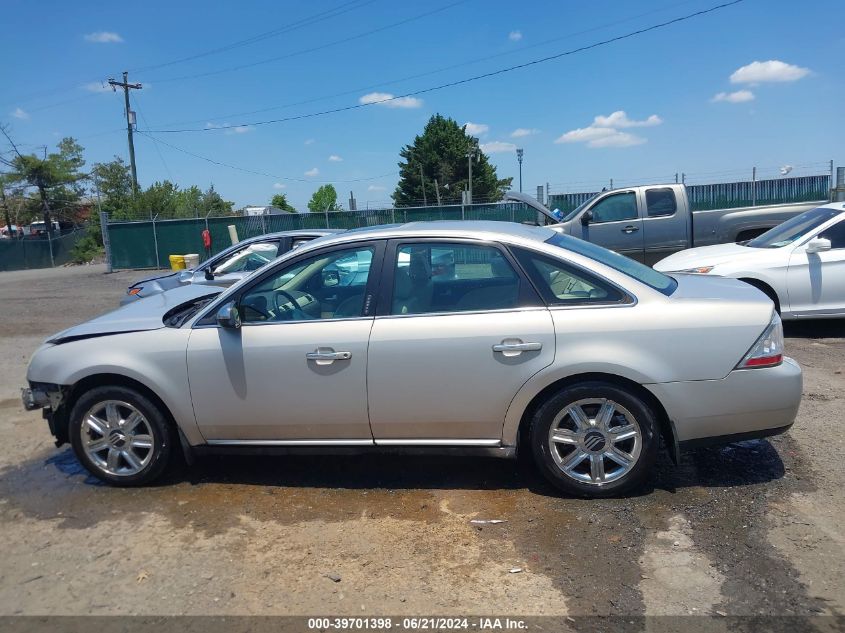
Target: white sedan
{"x":799,"y":264}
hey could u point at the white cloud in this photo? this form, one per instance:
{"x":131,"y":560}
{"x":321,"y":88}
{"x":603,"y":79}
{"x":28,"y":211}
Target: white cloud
{"x":390,"y":101}
{"x":604,"y":131}
{"x":476,"y":129}
{"x":20,"y":113}
{"x":618,"y":139}
{"x":521,"y":132}
{"x":515,"y":36}
{"x":620,"y":120}
{"x":770,"y":71}
{"x":96,"y":86}
{"x":309,"y":141}
{"x":334,"y":158}
{"x":740,"y":96}
{"x":376,"y":188}
{"x":497,"y":147}
{"x":279,"y":185}
{"x":312,"y":172}
{"x":103,"y":37}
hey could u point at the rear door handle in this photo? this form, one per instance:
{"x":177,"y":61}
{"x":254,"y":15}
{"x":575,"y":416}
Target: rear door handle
{"x":630,"y":229}
{"x":516,"y":347}
{"x":325,"y":356}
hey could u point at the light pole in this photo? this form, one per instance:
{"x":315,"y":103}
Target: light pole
{"x":519,"y":153}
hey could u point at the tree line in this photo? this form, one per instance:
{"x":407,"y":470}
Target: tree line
{"x":56,"y":186}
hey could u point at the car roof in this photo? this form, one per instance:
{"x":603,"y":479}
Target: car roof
{"x":490,"y":230}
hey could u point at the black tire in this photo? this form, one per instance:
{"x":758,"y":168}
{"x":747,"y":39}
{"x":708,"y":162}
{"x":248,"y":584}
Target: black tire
{"x":162,"y":432}
{"x":595,"y":390}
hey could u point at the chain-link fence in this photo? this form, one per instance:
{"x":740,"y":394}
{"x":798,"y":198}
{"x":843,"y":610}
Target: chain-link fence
{"x":41,"y":252}
{"x":149,"y":244}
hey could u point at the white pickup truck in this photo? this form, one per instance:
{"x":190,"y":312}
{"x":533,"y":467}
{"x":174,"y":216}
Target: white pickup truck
{"x":651,"y":222}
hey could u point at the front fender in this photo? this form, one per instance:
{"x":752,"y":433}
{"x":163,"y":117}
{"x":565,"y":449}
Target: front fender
{"x":154,"y":358}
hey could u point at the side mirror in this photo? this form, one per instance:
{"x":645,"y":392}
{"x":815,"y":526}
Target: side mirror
{"x":209,"y":276}
{"x":228,"y":316}
{"x":331,"y":278}
{"x":586,"y":217}
{"x":818,"y":245}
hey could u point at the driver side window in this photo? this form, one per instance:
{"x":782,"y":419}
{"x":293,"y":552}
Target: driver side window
{"x":326,"y":286}
{"x":615,"y":208}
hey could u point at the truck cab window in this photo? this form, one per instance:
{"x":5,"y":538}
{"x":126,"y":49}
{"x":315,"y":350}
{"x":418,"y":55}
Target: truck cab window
{"x":660,"y":202}
{"x":616,"y":207}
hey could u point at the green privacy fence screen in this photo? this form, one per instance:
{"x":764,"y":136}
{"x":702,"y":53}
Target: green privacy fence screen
{"x":149,"y":244}
{"x":20,"y":254}
{"x":730,"y":195}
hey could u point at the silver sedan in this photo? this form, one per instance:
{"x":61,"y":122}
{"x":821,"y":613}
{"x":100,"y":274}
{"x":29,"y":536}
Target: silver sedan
{"x":533,"y":341}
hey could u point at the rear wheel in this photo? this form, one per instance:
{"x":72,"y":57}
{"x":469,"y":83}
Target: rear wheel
{"x":595,"y":439}
{"x":120,"y":436}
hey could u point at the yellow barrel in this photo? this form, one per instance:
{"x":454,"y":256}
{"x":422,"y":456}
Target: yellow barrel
{"x":177,"y":262}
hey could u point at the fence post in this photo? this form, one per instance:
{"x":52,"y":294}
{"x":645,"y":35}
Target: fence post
{"x":393,"y":215}
{"x":104,"y":229}
{"x":839,"y":196}
{"x":753,"y":186}
{"x":155,"y":241}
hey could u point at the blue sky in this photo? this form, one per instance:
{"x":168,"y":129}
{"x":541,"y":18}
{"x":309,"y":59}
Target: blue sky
{"x":636,"y":110}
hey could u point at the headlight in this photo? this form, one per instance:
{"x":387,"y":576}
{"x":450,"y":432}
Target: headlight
{"x":699,"y":270}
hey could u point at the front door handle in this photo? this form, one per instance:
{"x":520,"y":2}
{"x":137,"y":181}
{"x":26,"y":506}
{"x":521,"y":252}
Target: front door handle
{"x":515,"y":347}
{"x":630,"y":229}
{"x":326,"y":356}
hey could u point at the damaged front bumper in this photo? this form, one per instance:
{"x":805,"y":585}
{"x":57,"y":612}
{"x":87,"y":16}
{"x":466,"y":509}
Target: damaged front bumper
{"x":49,"y":399}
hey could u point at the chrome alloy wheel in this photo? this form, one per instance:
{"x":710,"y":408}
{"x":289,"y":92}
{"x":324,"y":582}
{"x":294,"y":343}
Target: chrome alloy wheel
{"x":595,"y":441}
{"x":117,"y":438}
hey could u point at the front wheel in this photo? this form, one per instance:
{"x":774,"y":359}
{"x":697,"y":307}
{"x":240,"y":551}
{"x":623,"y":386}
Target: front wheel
{"x":120,"y":436}
{"x":595,"y":439}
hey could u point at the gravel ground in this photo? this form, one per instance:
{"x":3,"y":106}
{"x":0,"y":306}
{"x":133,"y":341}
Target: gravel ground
{"x":749,"y":529}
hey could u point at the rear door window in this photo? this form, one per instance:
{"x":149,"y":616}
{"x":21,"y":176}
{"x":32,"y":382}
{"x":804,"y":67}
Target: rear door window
{"x":441,"y":277}
{"x":660,"y":202}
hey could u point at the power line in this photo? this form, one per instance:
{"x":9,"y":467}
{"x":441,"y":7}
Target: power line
{"x":155,"y":142}
{"x":261,"y":173}
{"x":470,"y":62}
{"x":467,"y":80}
{"x":313,"y":19}
{"x":312,"y":49}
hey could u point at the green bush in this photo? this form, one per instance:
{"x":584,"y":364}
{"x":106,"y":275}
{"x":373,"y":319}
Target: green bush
{"x":86,"y":250}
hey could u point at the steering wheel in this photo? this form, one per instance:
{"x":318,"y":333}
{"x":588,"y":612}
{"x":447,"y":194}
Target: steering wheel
{"x":290,"y":299}
{"x":265,"y":316}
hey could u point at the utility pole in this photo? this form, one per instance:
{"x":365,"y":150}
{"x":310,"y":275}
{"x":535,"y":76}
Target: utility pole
{"x":519,"y":153}
{"x":470,"y":157}
{"x":437,"y":191}
{"x":130,"y":121}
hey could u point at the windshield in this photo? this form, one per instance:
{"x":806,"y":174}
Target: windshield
{"x":626,"y":265}
{"x":791,"y":230}
{"x":250,"y":258}
{"x":181,"y":313}
{"x":577,"y":209}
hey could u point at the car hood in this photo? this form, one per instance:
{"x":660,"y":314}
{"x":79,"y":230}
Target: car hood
{"x":165,"y":281}
{"x":704,"y":256}
{"x":146,"y":314}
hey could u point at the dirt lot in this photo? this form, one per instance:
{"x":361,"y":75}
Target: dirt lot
{"x":752,"y":528}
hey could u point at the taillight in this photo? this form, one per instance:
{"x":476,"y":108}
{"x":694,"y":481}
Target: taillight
{"x":768,"y":350}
